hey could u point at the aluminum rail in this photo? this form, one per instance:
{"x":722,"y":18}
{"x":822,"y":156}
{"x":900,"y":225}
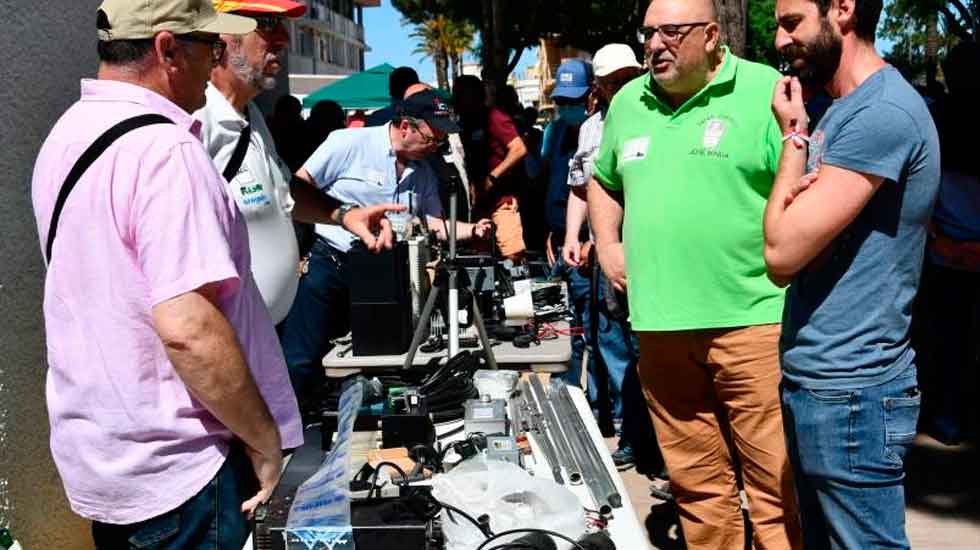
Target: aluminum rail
{"x":596,"y":477}
{"x":562,"y":446}
{"x":536,"y":422}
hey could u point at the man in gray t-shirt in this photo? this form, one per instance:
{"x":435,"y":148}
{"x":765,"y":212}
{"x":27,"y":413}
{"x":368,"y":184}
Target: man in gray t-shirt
{"x":849,"y":237}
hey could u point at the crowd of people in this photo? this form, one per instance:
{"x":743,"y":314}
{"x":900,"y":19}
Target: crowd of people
{"x":743,"y":252}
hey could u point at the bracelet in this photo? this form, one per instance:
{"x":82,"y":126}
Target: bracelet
{"x":798,"y":135}
{"x":798,"y":138}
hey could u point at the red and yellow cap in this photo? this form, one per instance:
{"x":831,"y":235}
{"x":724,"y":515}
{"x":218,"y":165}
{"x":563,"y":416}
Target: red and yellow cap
{"x":285,"y":8}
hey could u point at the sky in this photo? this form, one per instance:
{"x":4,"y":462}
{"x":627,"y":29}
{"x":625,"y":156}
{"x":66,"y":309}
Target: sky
{"x":390,"y":42}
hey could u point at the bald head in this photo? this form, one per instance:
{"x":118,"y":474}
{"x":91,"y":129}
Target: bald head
{"x":683,"y":11}
{"x":416,"y":88}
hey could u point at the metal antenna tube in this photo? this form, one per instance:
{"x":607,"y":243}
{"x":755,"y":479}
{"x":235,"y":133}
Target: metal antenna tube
{"x":536,"y":421}
{"x":562,"y":448}
{"x":590,"y":474}
{"x":608,"y":493}
{"x":453,"y":293}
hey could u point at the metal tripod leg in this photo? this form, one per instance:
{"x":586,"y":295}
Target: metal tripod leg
{"x":481,"y":330}
{"x":422,"y":329}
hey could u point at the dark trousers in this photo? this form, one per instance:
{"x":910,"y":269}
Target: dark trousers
{"x":211,"y":520}
{"x":946,"y":348}
{"x":320,"y":312}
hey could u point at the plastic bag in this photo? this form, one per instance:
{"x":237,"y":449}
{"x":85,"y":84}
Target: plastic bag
{"x":512,"y":498}
{"x":320,"y":514}
{"x":498,"y":384}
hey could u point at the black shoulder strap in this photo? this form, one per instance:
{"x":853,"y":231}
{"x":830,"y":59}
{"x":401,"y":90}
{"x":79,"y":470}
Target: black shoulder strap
{"x":240,"y":149}
{"x":93,"y":152}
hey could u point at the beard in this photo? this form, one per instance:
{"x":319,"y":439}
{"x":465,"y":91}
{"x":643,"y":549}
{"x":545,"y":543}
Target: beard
{"x":253,"y":75}
{"x":821,"y":57}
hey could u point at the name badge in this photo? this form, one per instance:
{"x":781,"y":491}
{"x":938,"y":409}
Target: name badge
{"x":635,"y":149}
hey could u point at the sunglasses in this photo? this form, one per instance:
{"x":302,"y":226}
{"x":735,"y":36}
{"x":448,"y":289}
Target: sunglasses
{"x":218,"y":45}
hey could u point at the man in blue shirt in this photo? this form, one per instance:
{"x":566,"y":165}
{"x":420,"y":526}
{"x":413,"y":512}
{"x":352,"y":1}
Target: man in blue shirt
{"x":850,"y":238}
{"x":361,"y":167}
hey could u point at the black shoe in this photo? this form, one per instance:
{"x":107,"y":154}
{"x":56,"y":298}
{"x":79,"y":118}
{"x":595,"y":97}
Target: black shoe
{"x":660,"y":488}
{"x":624,"y":456}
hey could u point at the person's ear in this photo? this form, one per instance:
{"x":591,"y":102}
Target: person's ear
{"x":165,"y":48}
{"x":712,"y":36}
{"x":842,"y":14}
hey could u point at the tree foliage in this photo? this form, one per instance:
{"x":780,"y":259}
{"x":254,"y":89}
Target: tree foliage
{"x":923,"y":30}
{"x":760,"y":32}
{"x":445,"y":41}
{"x":508,"y":28}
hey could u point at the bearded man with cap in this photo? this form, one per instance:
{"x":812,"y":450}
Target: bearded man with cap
{"x":363,"y":167}
{"x":167,"y":393}
{"x":258,"y":178}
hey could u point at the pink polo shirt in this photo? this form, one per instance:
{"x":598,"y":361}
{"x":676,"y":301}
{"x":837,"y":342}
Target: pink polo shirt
{"x":150,"y":220}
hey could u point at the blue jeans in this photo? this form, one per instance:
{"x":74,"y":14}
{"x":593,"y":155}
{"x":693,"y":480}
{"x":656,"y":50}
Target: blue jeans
{"x":616,"y":343}
{"x":579,"y":291}
{"x":211,"y":520}
{"x":320,"y":313}
{"x":847,"y":449}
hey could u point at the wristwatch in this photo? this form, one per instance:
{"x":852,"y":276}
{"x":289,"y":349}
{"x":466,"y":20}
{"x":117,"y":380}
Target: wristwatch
{"x":342,"y":211}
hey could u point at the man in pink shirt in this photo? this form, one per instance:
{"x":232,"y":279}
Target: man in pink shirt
{"x":167,"y":392}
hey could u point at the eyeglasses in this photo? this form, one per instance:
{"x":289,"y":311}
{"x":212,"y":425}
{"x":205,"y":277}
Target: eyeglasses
{"x":218,"y":45}
{"x":427,"y":140}
{"x":671,"y":34}
{"x":268,"y":23}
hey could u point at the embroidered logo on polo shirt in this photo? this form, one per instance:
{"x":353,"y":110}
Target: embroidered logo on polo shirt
{"x":713,"y":132}
{"x":635,"y":149}
{"x":715,"y":128}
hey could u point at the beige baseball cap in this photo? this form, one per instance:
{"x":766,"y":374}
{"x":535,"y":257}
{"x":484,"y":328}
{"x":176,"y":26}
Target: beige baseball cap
{"x":135,"y":20}
{"x":613,"y":57}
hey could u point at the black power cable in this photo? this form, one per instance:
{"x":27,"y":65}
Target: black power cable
{"x":529,"y":530}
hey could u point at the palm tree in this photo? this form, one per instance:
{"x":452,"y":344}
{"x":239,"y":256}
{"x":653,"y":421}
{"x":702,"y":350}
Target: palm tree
{"x":431,"y":42}
{"x":459,"y":40}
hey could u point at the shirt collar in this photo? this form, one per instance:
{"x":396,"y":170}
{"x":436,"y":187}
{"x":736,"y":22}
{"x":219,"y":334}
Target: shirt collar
{"x":724,"y":76}
{"x":386,"y":132}
{"x":222,"y":110}
{"x":115,"y":90}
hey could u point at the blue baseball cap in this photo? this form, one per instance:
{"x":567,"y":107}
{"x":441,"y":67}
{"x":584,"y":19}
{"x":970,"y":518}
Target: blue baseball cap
{"x":573,"y":79}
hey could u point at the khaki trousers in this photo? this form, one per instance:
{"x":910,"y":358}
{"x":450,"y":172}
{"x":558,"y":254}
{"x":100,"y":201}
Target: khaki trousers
{"x":714,"y":400}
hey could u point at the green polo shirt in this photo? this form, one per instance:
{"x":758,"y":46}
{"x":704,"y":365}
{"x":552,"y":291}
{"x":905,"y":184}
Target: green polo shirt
{"x":695,"y":183}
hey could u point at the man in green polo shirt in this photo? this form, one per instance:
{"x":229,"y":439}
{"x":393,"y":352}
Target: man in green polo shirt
{"x":688,"y":158}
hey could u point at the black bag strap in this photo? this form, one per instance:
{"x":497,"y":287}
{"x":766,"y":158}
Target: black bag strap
{"x":241,"y":148}
{"x":90,"y":155}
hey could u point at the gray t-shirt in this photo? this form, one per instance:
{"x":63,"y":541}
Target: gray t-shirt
{"x":847,"y":315}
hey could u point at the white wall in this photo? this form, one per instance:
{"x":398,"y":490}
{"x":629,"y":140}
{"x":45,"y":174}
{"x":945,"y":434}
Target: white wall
{"x":47,"y":47}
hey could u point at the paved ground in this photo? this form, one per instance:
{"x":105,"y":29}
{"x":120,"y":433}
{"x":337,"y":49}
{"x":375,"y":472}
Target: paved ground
{"x":943,"y":500}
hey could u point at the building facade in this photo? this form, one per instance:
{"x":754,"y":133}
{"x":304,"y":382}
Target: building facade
{"x":329,"y":38}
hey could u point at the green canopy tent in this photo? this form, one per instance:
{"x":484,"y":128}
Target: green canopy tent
{"x":364,"y":90}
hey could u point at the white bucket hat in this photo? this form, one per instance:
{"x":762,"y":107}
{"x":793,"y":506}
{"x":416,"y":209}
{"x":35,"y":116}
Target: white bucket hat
{"x":613,"y":57}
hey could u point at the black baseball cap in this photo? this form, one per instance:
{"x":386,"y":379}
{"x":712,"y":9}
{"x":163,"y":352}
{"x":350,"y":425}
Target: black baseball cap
{"x":431,"y":108}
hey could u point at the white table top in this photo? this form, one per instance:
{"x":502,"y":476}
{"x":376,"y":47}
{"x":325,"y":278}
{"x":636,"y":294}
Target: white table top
{"x":549,"y":353}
